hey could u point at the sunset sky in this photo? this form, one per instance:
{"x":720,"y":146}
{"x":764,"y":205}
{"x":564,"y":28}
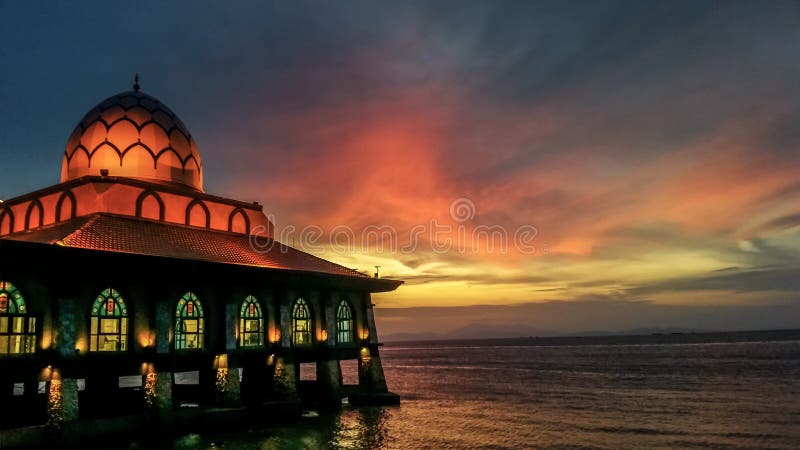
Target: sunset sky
{"x":647,"y":152}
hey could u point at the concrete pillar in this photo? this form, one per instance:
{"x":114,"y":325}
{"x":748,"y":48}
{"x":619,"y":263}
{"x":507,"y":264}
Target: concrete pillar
{"x":62,"y":393}
{"x":231,"y":325}
{"x":164,"y":317}
{"x":157,"y":387}
{"x":330,"y":307}
{"x":370,"y":319}
{"x":62,"y":401}
{"x":69,"y":398}
{"x":370,"y":371}
{"x":228,"y":388}
{"x":285,"y":380}
{"x":163,"y":391}
{"x":286,"y":323}
{"x":329,"y":377}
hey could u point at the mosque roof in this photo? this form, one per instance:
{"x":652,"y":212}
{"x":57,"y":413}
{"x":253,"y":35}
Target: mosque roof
{"x":124,"y":234}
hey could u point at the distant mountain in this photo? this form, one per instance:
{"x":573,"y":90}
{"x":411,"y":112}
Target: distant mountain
{"x":495,"y":331}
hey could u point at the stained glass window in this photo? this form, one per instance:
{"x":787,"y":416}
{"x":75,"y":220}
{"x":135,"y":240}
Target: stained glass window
{"x":344,"y":323}
{"x":189,"y":323}
{"x":251,"y":323}
{"x":301,"y":323}
{"x":17,"y":328}
{"x":108,"y":323}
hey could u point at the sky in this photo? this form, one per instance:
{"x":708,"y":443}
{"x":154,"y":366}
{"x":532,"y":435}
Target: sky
{"x":526,"y":167}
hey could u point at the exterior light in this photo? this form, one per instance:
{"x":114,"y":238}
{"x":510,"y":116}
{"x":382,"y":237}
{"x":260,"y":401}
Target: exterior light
{"x":323,"y":336}
{"x":275,"y":336}
{"x":221,"y":361}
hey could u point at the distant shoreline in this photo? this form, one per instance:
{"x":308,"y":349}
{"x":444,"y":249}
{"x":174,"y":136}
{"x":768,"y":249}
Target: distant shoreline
{"x":704,"y":337}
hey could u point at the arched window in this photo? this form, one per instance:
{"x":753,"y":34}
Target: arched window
{"x":189,"y":323}
{"x":17,"y":329}
{"x":108,"y":327}
{"x":65,"y":207}
{"x":301,"y":323}
{"x":344,"y":323}
{"x":251,"y":324}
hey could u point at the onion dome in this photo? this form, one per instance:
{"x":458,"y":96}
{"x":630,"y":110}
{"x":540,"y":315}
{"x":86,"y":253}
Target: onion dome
{"x":133,"y":135}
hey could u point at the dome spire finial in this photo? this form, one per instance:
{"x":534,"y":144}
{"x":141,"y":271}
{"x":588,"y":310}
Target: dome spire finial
{"x":136,"y":86}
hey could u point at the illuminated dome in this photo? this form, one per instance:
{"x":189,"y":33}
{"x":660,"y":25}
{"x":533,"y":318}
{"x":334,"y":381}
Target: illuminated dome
{"x":133,"y":135}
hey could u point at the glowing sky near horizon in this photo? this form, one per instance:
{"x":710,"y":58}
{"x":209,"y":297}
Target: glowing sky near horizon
{"x":652,"y":145}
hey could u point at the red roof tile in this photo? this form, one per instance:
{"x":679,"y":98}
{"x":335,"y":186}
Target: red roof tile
{"x":122,"y":234}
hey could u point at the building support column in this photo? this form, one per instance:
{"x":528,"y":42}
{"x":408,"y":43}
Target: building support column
{"x":370,"y":371}
{"x":371,"y":380}
{"x":329,"y":377}
{"x":285,"y":380}
{"x":62,"y":400}
{"x":62,"y":392}
{"x":164,"y":379}
{"x":226,"y":387}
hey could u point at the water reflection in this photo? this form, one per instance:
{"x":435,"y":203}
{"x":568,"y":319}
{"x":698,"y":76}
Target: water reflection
{"x":360,"y":428}
{"x":349,"y":428}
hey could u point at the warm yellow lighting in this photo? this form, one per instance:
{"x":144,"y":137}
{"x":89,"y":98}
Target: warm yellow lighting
{"x":147,"y":339}
{"x":47,"y":339}
{"x":48,"y":374}
{"x":147,"y":368}
{"x":55,"y":408}
{"x":275,"y":336}
{"x":271,"y":359}
{"x":221,"y":361}
{"x":80,"y":345}
{"x":364,"y":359}
{"x":222,"y":380}
{"x":323,"y":336}
{"x":150,"y":388}
{"x":364,"y":334}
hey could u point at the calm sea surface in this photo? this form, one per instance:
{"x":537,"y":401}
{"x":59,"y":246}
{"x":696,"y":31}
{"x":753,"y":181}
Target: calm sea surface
{"x":572,"y":393}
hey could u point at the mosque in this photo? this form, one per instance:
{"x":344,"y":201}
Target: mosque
{"x":127,"y":269}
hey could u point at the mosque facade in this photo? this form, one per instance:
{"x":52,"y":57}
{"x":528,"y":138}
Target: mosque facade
{"x":128,"y":269}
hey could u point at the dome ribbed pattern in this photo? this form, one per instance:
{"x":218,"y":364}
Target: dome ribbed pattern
{"x":133,"y":135}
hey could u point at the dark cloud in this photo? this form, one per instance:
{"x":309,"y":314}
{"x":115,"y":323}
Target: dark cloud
{"x":735,"y":280}
{"x":624,"y":131}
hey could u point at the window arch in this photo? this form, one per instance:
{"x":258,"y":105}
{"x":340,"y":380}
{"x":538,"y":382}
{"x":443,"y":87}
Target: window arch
{"x":34,"y":218}
{"x":146,"y":208}
{"x":200,"y":219}
{"x":6,"y":221}
{"x":238,"y":222}
{"x":301,"y":323}
{"x":17,"y":329}
{"x":108,"y":327}
{"x":189,"y":327}
{"x":67,"y":198}
{"x":344,"y":323}
{"x":251,"y":323}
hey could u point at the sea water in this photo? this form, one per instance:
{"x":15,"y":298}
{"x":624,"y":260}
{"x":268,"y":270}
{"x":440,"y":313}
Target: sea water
{"x":691,"y":391}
